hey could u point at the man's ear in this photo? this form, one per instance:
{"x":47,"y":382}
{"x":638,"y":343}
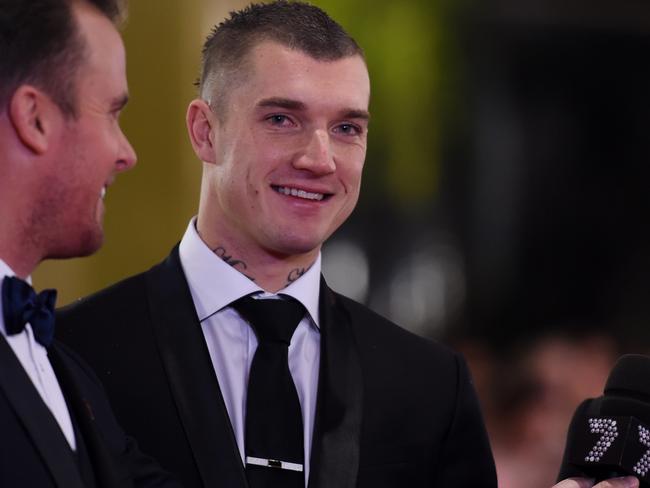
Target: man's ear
{"x":32,"y":114}
{"x":200,"y":124}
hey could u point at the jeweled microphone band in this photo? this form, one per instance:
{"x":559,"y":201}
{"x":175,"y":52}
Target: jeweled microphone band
{"x":609,"y":436}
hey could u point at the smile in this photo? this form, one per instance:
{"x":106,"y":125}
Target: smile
{"x":294,"y":192}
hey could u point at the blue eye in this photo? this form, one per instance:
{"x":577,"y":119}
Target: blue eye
{"x":278,"y":119}
{"x":348,"y":129}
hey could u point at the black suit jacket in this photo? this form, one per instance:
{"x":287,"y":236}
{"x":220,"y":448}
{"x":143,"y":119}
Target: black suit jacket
{"x":393,"y":410}
{"x":33,"y":449}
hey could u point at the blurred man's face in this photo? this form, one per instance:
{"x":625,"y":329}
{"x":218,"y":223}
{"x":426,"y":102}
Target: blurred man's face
{"x":289,"y":152}
{"x":92,"y":148}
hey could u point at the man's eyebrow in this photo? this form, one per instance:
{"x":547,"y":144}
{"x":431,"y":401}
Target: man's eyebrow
{"x":356,"y":114}
{"x":289,"y":104}
{"x":119,"y":102}
{"x":286,"y":103}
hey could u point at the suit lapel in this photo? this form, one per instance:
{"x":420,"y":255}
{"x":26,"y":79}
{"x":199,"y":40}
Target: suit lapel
{"x":37,"y":420}
{"x":191,"y":375}
{"x":103,"y":464}
{"x":335,"y":447}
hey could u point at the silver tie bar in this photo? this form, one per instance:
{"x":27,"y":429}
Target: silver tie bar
{"x":273,"y":463}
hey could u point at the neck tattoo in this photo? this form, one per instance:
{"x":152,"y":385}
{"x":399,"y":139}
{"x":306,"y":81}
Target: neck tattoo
{"x":235,"y":263}
{"x":294,"y":274}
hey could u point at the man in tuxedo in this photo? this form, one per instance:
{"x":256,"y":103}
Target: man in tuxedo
{"x":200,"y":371}
{"x":62,"y":86}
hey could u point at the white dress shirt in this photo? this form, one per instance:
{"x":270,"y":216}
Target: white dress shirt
{"x":33,"y":357}
{"x":214,"y":285}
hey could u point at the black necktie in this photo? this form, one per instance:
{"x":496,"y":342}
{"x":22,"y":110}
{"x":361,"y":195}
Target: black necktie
{"x":21,"y":304}
{"x":274,"y":430}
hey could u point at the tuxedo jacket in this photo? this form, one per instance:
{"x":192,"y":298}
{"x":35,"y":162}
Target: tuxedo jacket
{"x":34,"y":451}
{"x":393,"y":410}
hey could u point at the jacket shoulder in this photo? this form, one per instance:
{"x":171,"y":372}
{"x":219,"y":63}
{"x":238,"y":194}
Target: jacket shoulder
{"x":104,"y":324}
{"x":119,"y":297}
{"x":374,"y":331}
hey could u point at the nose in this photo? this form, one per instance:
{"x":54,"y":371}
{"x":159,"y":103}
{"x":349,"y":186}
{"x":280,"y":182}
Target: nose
{"x":317,"y":154}
{"x":126,"y":157}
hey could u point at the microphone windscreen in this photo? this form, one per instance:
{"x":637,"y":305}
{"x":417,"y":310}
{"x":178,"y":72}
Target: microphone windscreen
{"x":630,"y":377}
{"x":610,"y":435}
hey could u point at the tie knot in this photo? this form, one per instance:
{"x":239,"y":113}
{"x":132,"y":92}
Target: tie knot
{"x":21,"y":304}
{"x":272,"y":320}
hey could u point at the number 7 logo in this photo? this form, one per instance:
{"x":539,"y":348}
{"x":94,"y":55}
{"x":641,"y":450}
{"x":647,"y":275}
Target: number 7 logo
{"x":643,"y":465}
{"x":609,"y":431}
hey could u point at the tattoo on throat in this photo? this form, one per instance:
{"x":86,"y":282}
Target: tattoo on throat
{"x":235,"y":263}
{"x":295,"y":274}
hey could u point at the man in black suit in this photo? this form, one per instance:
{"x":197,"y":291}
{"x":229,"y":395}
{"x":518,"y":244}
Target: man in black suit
{"x":62,"y":86}
{"x":280,"y":127}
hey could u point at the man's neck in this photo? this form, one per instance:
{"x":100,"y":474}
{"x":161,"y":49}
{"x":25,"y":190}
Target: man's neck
{"x":16,"y":255}
{"x":270,"y":271}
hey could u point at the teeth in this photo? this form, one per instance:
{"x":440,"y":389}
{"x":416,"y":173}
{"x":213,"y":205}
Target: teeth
{"x":299,"y":193}
{"x":103,"y":193}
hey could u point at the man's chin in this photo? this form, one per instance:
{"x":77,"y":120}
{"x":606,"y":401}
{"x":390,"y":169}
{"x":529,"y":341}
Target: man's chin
{"x":91,"y":243}
{"x":297,"y":246}
{"x":85,"y":244}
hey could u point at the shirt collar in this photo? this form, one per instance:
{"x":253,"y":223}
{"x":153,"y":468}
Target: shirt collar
{"x":214,"y":284}
{"x":5,"y":270}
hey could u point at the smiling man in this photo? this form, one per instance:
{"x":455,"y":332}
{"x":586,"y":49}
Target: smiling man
{"x":62,"y":87}
{"x":282,"y":159}
{"x":233,"y":361}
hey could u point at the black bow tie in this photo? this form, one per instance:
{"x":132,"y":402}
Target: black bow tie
{"x":21,"y":304}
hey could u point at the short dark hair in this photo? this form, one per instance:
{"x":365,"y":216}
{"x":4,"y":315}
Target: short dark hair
{"x":297,"y":25}
{"x":40,"y":44}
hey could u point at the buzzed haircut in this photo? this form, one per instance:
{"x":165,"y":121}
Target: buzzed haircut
{"x":40,"y":44}
{"x":296,"y":25}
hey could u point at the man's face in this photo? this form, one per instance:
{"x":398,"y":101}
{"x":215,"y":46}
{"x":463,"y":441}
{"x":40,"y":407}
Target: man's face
{"x":91,"y":148}
{"x":288,"y":152}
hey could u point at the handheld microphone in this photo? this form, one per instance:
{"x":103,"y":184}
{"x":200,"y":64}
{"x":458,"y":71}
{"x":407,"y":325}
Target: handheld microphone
{"x":609,"y":436}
